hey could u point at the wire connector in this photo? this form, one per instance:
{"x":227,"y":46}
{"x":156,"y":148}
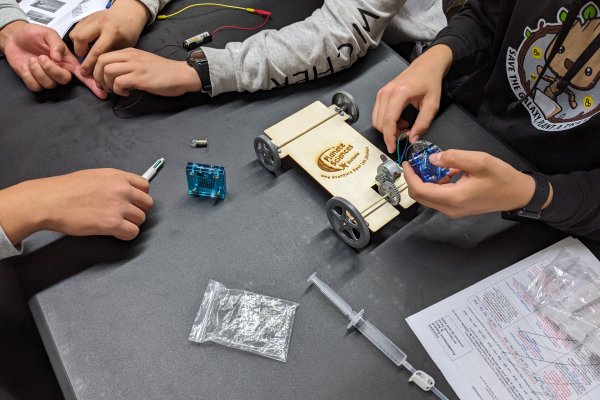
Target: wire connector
{"x":422,"y":380}
{"x":263,"y":13}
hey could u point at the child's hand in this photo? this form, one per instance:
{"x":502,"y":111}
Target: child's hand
{"x":116,"y":28}
{"x":488,"y":184}
{"x":129,"y":69}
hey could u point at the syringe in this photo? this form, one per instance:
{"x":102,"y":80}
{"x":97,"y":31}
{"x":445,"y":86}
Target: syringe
{"x":387,"y":347}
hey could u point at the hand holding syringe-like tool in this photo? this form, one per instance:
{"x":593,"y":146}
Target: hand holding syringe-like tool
{"x":384,"y":344}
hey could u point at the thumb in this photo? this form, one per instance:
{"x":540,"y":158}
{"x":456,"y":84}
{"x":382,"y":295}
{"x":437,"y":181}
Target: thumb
{"x":56,"y":45}
{"x":410,"y":177}
{"x":469,"y":161}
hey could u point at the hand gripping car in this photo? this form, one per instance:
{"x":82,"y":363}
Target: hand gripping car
{"x":348,"y":166}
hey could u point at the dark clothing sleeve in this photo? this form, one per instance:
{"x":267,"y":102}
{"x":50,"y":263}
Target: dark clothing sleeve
{"x":480,"y":36}
{"x":575,"y":206}
{"x":470,"y":36}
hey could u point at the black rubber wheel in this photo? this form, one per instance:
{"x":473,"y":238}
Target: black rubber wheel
{"x":347,"y":222}
{"x":346,"y":102}
{"x":267,"y":153}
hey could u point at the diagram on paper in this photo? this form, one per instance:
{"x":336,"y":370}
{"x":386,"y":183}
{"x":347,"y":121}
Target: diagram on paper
{"x":490,"y":343}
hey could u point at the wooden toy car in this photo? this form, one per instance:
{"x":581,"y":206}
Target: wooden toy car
{"x":348,"y":166}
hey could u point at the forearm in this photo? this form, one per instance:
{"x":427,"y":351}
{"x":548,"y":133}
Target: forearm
{"x":89,"y":202}
{"x":575,"y":205}
{"x":331,"y":39}
{"x":437,"y":60}
{"x":470,"y":36}
{"x":20,"y":216}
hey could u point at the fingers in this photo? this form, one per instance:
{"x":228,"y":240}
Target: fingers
{"x":56,"y":45}
{"x":89,"y":31}
{"x":82,"y":35}
{"x":428,"y":194}
{"x":391,"y":101}
{"x":141,"y":200}
{"x":58,"y":74}
{"x":71,"y":64}
{"x":40,"y":75}
{"x":113,"y":71}
{"x":473,"y":162}
{"x":102,"y":45}
{"x":126,"y":230}
{"x":28,"y":79}
{"x":401,"y":134}
{"x":43,"y":73}
{"x":418,"y":85}
{"x":134,"y":215}
{"x":91,"y":84}
{"x":394,"y":109}
{"x":403,"y":124}
{"x":138,"y":182}
{"x":119,"y":56}
{"x":444,"y":180}
{"x":123,"y":84}
{"x":427,"y":112}
{"x":117,"y":71}
{"x":50,"y":64}
{"x":453,"y":172}
{"x":410,"y":176}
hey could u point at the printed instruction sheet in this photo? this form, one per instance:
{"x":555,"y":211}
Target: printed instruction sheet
{"x":60,"y":15}
{"x":489,"y":342}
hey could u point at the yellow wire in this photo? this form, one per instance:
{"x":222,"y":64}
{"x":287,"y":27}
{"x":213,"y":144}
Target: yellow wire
{"x":162,"y":16}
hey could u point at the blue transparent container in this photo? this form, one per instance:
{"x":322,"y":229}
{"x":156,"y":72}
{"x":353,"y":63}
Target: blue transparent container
{"x":418,"y":157}
{"x":206,"y":180}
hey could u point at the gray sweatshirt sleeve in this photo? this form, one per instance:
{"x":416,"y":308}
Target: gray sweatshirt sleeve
{"x":331,"y":39}
{"x":154,"y":6}
{"x":6,"y":247}
{"x":10,"y":12}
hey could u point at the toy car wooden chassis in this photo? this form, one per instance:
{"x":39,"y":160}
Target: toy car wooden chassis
{"x":321,"y":141}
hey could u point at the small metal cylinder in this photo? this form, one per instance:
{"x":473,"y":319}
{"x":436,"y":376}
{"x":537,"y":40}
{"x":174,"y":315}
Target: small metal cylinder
{"x":197,"y":41}
{"x":199,"y":142}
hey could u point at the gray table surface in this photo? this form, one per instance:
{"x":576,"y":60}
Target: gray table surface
{"x":115,"y":316}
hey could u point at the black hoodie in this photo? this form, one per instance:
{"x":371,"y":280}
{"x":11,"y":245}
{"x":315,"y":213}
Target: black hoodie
{"x":505,"y":47}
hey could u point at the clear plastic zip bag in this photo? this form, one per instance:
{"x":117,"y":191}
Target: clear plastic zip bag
{"x":567,"y":291}
{"x":244,"y":320}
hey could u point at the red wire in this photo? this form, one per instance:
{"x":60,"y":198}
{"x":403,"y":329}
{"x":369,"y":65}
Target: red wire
{"x":240,"y":28}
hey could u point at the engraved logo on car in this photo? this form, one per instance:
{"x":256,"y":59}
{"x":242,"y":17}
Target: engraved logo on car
{"x":341,"y":160}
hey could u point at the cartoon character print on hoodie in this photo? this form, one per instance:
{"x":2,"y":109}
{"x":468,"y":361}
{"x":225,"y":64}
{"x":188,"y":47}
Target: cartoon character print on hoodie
{"x":555,"y":100}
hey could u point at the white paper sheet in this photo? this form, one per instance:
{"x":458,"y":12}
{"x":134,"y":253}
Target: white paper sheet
{"x":60,"y":15}
{"x":490,"y":343}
